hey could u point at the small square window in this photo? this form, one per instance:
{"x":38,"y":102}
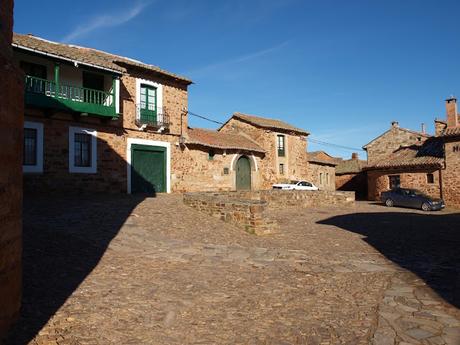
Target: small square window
{"x":429,"y":178}
{"x":211,"y":155}
{"x":226,"y":171}
{"x":281,"y":169}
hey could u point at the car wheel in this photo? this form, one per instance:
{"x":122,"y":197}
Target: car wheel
{"x":389,"y":202}
{"x":426,"y":206}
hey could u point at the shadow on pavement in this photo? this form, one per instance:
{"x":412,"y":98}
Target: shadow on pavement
{"x":64,"y":239}
{"x":426,"y":244}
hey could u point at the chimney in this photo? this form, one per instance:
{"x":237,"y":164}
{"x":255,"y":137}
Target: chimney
{"x":423,"y":128}
{"x":354,"y":155}
{"x":395,"y":124}
{"x":451,"y":110}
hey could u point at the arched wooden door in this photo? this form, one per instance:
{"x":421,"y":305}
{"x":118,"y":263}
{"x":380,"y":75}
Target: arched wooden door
{"x":243,"y":173}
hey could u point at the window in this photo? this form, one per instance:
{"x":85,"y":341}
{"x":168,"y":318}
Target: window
{"x":280,"y":145}
{"x":395,"y":181}
{"x":226,"y":171}
{"x":149,"y":102}
{"x":281,"y":169}
{"x":320,"y":178}
{"x":82,"y":150}
{"x":327,"y":178}
{"x":30,"y":146}
{"x":33,"y":147}
{"x":429,"y":178}
{"x":211,"y":155}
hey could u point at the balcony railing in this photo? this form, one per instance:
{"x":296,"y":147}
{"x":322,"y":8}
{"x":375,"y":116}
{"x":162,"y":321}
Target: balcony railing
{"x":48,"y":94}
{"x":155,"y":118}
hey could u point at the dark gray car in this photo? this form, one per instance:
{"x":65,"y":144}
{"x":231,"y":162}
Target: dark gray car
{"x":411,"y":198}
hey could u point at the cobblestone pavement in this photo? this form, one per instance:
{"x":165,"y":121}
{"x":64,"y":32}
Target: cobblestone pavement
{"x":123,"y":270}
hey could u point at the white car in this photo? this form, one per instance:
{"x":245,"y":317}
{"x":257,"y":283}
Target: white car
{"x":295,"y":185}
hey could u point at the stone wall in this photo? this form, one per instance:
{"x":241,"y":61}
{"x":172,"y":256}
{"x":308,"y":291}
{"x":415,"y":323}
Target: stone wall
{"x":11,"y":124}
{"x":327,"y":181}
{"x":196,"y":172}
{"x":248,"y":214}
{"x":378,"y":181}
{"x":295,"y":162}
{"x":390,"y":141}
{"x":451,"y":174}
{"x":353,"y":182}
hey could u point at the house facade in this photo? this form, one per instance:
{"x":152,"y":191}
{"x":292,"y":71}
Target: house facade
{"x":89,"y":112}
{"x":321,"y":170}
{"x":285,"y":147}
{"x":99,"y":122}
{"x":411,"y":159}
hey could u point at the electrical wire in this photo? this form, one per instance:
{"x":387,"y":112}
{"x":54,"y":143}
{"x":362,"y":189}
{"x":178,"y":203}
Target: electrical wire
{"x":313,"y":140}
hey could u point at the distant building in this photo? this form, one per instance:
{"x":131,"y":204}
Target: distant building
{"x":321,"y":169}
{"x":350,"y":176}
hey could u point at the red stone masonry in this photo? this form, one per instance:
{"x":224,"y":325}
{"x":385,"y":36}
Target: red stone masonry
{"x":11,"y":125}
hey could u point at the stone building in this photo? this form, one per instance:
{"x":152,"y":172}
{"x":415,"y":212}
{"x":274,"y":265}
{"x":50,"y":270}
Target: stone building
{"x":410,"y":159}
{"x":99,"y":122}
{"x":11,"y":123}
{"x":350,"y":176}
{"x":285,"y":147}
{"x":219,"y":161}
{"x":95,"y":121}
{"x":321,"y":169}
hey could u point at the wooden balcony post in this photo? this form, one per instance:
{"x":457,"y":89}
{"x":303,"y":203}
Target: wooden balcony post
{"x":56,"y":79}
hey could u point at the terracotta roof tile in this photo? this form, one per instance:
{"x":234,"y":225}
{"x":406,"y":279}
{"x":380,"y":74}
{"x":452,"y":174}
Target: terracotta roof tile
{"x":430,"y":153}
{"x":269,"y":123}
{"x":321,"y":157}
{"x":87,"y":55}
{"x":222,"y":140}
{"x":451,"y":132}
{"x":350,"y":166}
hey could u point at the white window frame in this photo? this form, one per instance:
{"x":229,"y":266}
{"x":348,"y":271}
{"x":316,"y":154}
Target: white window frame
{"x":148,"y":142}
{"x":82,"y":170}
{"x":159,"y":99}
{"x":38,"y":167}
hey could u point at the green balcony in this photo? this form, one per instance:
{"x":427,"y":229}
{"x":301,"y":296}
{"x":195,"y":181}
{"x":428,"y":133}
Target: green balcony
{"x":51,"y":95}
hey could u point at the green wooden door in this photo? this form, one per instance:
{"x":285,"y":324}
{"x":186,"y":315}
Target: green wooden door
{"x":148,"y":169}
{"x":243,"y":174}
{"x":148,"y":104}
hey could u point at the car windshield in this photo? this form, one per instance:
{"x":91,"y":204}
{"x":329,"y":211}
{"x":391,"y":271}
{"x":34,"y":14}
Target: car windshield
{"x":294,"y":182}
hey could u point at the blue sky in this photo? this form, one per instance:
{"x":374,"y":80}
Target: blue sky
{"x":343,"y":70}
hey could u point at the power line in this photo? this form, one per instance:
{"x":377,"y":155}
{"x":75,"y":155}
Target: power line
{"x":205,"y":118}
{"x":319,"y":142}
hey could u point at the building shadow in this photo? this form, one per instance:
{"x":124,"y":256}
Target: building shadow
{"x":65,"y":236}
{"x":425,"y":244}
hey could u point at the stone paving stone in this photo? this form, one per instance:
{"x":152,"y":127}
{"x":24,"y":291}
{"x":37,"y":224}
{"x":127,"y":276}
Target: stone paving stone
{"x":179,"y":277}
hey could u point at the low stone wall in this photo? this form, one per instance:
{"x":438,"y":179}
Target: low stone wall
{"x":250,"y":214}
{"x":249,"y":208}
{"x":300,"y":198}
